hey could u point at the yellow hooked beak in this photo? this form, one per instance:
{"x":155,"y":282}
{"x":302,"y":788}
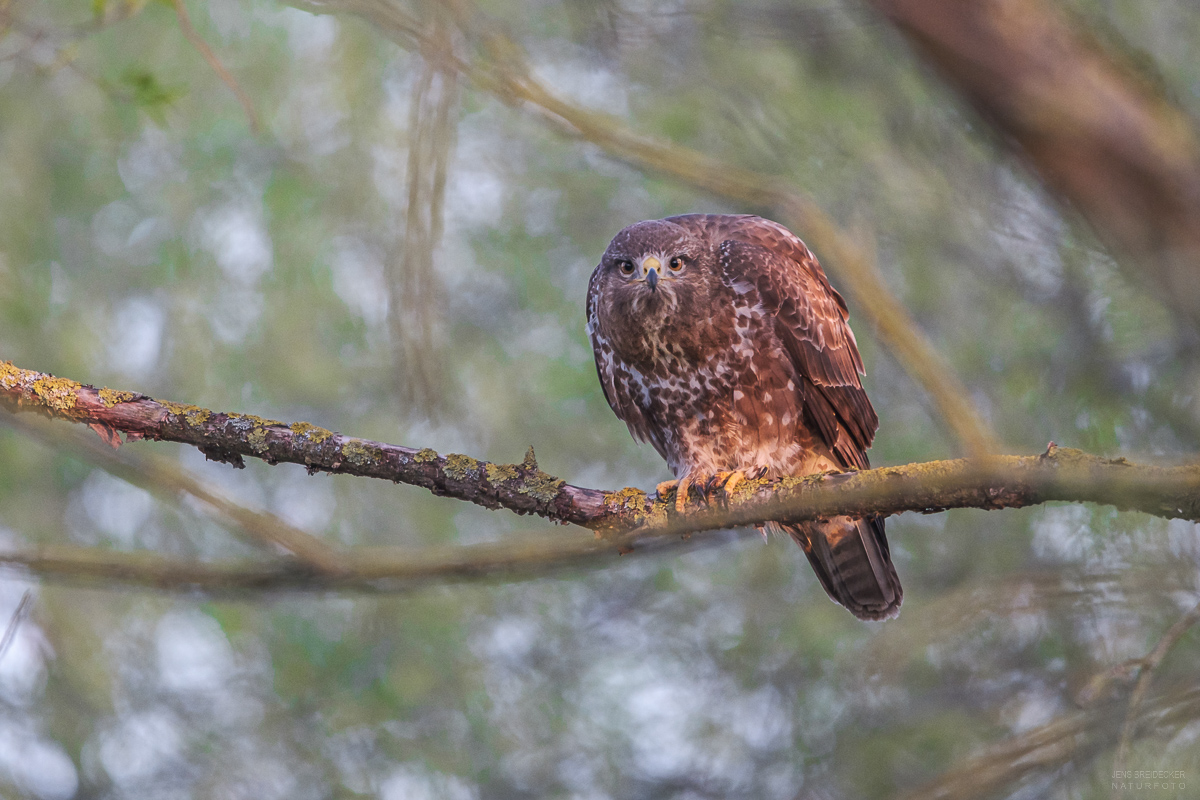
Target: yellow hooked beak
{"x":651,"y":266}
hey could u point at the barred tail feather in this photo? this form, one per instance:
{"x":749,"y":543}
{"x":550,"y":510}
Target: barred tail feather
{"x":851,"y":559}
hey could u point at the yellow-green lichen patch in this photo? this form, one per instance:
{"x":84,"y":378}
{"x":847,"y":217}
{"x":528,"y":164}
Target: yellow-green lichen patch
{"x":626,"y":498}
{"x":747,"y":488}
{"x":425,"y":455}
{"x":498,"y":473}
{"x":110,"y":397}
{"x":541,"y":486}
{"x":360,"y":454}
{"x":459,"y":466}
{"x":192,"y":415}
{"x":630,"y":510}
{"x":1069,"y":455}
{"x":11,"y":375}
{"x":310,"y":432}
{"x":258,"y":440}
{"x":178,"y":409}
{"x":656,"y":516}
{"x":57,"y":393}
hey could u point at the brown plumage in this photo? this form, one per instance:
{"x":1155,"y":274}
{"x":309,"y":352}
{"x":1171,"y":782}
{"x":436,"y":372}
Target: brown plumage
{"x":719,"y":340}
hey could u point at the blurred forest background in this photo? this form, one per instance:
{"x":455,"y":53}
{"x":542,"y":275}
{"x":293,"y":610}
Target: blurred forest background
{"x":356,"y":219}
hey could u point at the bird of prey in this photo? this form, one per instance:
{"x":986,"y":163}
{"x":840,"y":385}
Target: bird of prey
{"x":719,"y":340}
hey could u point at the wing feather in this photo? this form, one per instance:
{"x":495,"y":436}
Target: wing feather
{"x":811,"y":322}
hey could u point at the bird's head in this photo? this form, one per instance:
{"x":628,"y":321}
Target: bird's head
{"x":652,"y":270}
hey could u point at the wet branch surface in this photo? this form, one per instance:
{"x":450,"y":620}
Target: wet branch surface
{"x":626,"y":520}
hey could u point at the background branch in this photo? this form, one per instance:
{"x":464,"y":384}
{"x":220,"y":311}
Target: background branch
{"x":197,"y":41}
{"x":167,"y":480}
{"x":366,"y":570}
{"x":1097,"y":132}
{"x":416,"y":290}
{"x":1146,"y":667}
{"x":1078,"y":736}
{"x":14,"y":622}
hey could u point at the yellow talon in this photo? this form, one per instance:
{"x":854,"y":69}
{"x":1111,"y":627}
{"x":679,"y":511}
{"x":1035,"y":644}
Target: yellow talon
{"x":681,"y":494}
{"x":727,"y":481}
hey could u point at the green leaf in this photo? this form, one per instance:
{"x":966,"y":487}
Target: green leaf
{"x":147,"y":93}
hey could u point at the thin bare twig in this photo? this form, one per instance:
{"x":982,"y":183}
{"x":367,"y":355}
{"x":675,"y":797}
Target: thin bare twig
{"x":1146,"y":666}
{"x":414,"y":284}
{"x":197,"y":41}
{"x":961,"y":611}
{"x":1075,"y":736}
{"x":10,"y":633}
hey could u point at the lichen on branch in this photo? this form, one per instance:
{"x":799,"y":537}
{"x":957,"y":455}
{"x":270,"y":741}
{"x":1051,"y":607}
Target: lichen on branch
{"x":231,"y":437}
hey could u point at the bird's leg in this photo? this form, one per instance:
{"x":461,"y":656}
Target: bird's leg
{"x":727,"y":481}
{"x":681,"y":493}
{"x":681,"y":488}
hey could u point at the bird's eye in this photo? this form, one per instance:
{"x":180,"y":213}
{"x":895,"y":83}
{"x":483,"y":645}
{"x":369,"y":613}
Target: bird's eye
{"x":626,"y":267}
{"x":676,"y":264}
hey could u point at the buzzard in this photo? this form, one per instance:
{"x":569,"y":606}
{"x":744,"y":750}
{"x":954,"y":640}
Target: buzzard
{"x":719,"y":340}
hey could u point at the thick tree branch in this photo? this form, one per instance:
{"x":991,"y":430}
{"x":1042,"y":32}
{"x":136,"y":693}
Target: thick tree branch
{"x":629,"y":519}
{"x":230,"y":437}
{"x":988,"y":483}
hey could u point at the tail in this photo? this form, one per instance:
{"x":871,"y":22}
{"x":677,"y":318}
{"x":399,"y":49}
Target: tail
{"x":850,"y":557}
